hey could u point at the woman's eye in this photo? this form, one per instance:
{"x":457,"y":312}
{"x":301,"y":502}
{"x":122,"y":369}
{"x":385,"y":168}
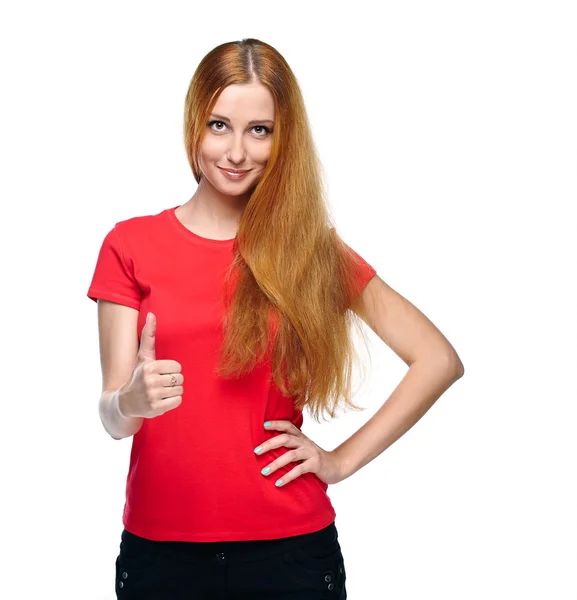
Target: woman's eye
{"x":211,"y":123}
{"x":264,"y":131}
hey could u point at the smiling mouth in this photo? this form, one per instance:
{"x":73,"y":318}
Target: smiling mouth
{"x":235,"y":171}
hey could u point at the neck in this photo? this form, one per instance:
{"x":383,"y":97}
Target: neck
{"x":214,"y":211}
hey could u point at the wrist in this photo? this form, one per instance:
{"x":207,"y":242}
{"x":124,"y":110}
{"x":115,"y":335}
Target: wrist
{"x":344,"y":466}
{"x":119,"y":401}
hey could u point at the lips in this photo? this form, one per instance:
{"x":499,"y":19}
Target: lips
{"x":234,"y":176}
{"x":235,"y":171}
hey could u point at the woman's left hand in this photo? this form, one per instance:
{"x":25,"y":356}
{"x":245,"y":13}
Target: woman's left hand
{"x":326,"y":465}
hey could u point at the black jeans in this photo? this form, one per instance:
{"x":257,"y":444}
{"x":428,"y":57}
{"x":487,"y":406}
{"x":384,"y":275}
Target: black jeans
{"x":302,"y":567}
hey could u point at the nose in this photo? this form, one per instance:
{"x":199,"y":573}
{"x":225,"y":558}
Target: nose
{"x":237,"y":151}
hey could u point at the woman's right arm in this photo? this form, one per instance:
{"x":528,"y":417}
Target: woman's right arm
{"x":118,"y":337}
{"x":115,"y":423}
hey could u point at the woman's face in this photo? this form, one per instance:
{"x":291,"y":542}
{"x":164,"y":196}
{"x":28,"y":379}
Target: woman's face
{"x":238,"y":136}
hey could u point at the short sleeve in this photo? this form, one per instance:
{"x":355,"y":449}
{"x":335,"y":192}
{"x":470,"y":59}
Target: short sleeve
{"x":363,"y":273}
{"x":113,"y":279}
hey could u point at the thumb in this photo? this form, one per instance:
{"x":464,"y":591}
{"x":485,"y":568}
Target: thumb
{"x":147,"y":350}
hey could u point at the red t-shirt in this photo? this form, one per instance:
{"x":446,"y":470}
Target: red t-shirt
{"x":193,"y":473}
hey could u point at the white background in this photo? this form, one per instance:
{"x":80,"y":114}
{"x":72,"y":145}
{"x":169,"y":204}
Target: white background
{"x":447,"y":131}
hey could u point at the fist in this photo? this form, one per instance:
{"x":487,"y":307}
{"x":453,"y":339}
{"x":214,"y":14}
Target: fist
{"x":156,"y":385}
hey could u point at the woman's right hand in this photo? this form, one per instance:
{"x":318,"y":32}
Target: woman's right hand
{"x":149,"y":394}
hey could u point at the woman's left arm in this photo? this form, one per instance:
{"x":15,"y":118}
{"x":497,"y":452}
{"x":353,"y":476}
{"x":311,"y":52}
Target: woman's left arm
{"x":433,"y":367}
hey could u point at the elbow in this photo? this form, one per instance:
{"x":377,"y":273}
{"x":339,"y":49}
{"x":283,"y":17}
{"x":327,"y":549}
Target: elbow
{"x":461,"y":369}
{"x":450,"y":363}
{"x":456,"y":366}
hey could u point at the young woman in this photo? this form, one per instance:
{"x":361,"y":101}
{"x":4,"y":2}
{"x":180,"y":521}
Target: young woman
{"x":221,"y":319}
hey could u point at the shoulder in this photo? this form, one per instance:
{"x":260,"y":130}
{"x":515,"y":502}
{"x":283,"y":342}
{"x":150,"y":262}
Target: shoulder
{"x":139,"y":226}
{"x":138,"y":234}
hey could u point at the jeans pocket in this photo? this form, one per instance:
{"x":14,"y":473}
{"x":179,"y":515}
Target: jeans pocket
{"x":318,"y":568}
{"x":133,"y":572}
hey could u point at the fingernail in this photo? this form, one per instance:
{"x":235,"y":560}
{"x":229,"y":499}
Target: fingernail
{"x":279,"y":482}
{"x":267,"y":424}
{"x":257,"y":450}
{"x":265,"y":470}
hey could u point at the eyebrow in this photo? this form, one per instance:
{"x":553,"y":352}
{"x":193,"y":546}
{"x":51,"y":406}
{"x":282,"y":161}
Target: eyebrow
{"x":223,"y":118}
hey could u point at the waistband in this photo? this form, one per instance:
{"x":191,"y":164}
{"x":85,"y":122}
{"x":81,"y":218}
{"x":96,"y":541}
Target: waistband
{"x":237,"y":550}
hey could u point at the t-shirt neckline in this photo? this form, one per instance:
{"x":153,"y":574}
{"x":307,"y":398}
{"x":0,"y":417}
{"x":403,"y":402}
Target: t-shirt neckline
{"x":194,"y":237}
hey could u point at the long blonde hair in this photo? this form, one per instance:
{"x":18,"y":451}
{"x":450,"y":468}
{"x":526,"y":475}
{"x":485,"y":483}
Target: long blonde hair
{"x":292,"y":279}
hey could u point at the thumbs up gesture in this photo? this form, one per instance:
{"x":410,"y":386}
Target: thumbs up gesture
{"x":156,"y":385}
